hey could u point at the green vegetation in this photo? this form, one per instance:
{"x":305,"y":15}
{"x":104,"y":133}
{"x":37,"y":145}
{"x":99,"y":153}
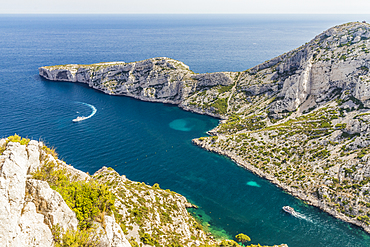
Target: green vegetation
{"x":303,"y":151}
{"x":224,"y":89}
{"x":220,"y":105}
{"x":75,"y":238}
{"x":88,"y":199}
{"x":242,"y":238}
{"x":155,"y":211}
{"x":14,"y":138}
{"x":17,"y":138}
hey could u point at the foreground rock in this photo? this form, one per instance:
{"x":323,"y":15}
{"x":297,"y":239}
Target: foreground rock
{"x":300,"y":120}
{"x":29,"y":208}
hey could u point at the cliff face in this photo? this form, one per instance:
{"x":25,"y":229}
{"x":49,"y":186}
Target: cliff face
{"x":29,"y":208}
{"x":157,"y":79}
{"x":300,"y":120}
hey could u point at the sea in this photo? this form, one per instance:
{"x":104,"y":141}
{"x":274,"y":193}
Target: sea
{"x":151,"y":142}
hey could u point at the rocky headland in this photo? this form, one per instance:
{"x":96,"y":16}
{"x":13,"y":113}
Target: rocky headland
{"x":301,"y":120}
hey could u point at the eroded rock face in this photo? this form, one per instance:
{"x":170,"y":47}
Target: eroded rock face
{"x":156,"y":79}
{"x":13,"y":170}
{"x":20,"y":223}
{"x":114,"y":236}
{"x":33,"y":230}
{"x":29,"y":208}
{"x":50,"y":203}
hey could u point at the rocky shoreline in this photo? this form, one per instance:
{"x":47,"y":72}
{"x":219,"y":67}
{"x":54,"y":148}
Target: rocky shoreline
{"x":293,"y":191}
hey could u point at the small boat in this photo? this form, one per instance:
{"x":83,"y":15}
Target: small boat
{"x":290,"y":210}
{"x":79,"y":119}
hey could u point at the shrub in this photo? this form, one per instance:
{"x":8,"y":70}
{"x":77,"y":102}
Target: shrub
{"x":17,"y":138}
{"x":325,"y":125}
{"x":2,"y":148}
{"x":156,"y":186}
{"x":221,"y":105}
{"x":147,"y":239}
{"x":133,"y":242}
{"x":50,"y":151}
{"x":228,"y":243}
{"x":78,"y":238}
{"x":242,"y":238}
{"x":88,"y":199}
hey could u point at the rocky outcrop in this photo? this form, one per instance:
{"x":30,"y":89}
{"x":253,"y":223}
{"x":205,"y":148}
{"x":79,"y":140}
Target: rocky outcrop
{"x":50,"y":203}
{"x":156,"y":79}
{"x":29,"y":208}
{"x":113,"y":234}
{"x":162,"y":213}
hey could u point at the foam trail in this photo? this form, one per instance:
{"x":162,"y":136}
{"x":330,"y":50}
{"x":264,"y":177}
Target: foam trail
{"x":303,"y":217}
{"x":92,"y":108}
{"x":92,"y":113}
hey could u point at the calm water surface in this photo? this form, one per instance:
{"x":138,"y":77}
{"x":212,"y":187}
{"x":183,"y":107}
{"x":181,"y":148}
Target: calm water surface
{"x":151,"y":142}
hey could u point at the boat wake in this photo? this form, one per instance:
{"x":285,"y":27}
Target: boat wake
{"x":78,"y":119}
{"x":302,"y":216}
{"x":296,"y":214}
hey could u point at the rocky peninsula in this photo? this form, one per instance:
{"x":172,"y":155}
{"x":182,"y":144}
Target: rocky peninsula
{"x":301,"y":120}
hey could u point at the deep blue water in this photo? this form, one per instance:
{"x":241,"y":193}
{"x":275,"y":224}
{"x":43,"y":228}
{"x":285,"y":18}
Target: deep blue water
{"x":151,"y":142}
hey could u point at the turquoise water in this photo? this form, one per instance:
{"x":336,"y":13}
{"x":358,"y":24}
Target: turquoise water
{"x":151,"y":142}
{"x":254,"y":184}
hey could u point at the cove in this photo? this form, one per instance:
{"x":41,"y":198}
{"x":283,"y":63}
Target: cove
{"x":137,"y":138}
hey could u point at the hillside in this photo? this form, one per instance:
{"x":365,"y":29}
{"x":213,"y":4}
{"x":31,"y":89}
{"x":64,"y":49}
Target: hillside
{"x":300,"y":120}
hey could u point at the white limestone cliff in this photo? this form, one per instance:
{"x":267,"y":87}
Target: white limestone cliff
{"x":29,"y":208}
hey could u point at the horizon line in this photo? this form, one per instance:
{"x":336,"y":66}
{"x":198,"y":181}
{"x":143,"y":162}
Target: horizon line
{"x":55,"y":13}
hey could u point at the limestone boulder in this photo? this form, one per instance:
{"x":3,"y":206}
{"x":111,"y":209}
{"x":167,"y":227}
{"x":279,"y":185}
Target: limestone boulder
{"x":50,"y":203}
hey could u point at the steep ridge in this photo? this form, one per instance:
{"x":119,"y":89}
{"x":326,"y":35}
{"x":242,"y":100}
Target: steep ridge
{"x":300,"y":120}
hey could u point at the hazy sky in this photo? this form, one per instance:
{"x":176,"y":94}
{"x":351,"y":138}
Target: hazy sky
{"x":186,"y":6}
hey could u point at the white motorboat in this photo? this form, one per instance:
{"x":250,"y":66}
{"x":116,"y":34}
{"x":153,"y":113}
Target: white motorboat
{"x":290,"y":210}
{"x":79,"y":119}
